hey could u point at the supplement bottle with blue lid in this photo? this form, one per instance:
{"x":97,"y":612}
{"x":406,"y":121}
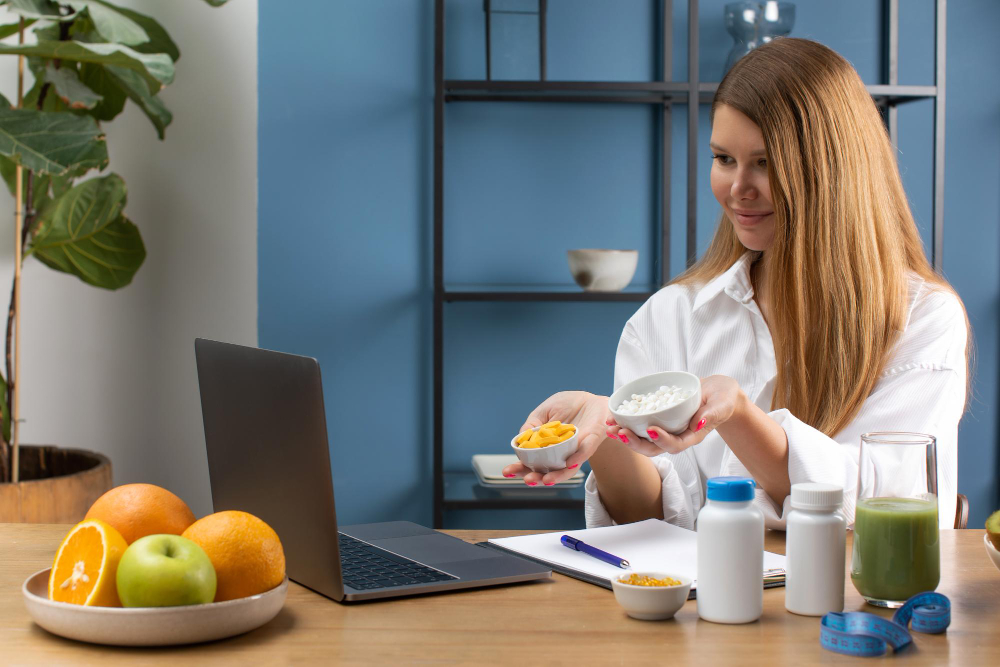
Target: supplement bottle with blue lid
{"x":730,"y":586}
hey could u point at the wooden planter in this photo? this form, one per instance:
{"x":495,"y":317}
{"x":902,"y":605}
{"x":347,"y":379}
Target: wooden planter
{"x":57,"y":485}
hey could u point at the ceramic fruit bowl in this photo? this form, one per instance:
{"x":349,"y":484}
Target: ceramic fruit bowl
{"x":992,"y":551}
{"x":149,"y":626}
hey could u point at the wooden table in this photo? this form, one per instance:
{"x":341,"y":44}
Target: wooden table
{"x":562,"y":621}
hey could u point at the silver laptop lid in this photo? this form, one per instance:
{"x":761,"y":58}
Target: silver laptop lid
{"x":268,"y":453}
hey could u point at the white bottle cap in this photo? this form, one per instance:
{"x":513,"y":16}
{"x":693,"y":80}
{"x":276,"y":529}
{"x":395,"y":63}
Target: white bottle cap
{"x":815,"y":496}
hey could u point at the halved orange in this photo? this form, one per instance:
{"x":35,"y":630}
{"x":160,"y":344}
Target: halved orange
{"x":85,"y":565}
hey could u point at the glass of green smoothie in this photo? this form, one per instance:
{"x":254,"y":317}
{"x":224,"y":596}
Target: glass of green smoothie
{"x":896,"y":550}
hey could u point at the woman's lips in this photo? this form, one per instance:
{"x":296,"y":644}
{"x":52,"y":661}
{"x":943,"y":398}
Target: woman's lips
{"x":749,"y":219}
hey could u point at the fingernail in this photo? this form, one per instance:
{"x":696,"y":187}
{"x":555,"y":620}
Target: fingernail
{"x":549,"y":483}
{"x":575,"y":465}
{"x":609,"y":422}
{"x":700,"y":425}
{"x":612,"y":436}
{"x":531,"y":483}
{"x":652,"y":434}
{"x":508,"y":475}
{"x":624,"y":438}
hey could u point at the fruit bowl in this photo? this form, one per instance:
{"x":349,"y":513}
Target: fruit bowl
{"x":992,"y":551}
{"x":149,"y":626}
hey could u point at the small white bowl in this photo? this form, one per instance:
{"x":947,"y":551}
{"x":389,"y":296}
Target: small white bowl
{"x":546,"y":459}
{"x":602,"y":270}
{"x":992,"y":551}
{"x":652,"y":603}
{"x":673,"y":419}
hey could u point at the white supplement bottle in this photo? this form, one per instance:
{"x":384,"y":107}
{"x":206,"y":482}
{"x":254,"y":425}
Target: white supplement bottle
{"x":730,"y":585}
{"x":815,"y":546}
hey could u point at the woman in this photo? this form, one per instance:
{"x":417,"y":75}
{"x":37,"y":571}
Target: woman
{"x":813,"y":317}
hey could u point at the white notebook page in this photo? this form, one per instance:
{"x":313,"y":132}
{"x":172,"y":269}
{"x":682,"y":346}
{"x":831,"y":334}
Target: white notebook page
{"x":650,"y":545}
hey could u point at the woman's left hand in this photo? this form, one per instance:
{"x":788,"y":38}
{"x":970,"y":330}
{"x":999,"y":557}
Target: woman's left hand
{"x":721,"y":399}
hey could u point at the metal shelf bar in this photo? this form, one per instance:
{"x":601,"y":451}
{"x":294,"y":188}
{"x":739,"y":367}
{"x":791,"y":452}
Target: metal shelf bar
{"x":940,"y":33}
{"x":438,"y":390}
{"x":692,"y":142}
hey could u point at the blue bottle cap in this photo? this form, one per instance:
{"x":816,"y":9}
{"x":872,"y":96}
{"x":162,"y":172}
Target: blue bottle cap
{"x":731,"y":489}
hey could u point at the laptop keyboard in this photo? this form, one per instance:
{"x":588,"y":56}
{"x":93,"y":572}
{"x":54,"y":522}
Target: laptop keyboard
{"x":366,"y":567}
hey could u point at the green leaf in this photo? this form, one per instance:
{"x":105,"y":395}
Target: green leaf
{"x":73,"y":93}
{"x":36,"y":9}
{"x":157,"y":69}
{"x":110,"y":23}
{"x":97,"y":78}
{"x":13,"y":28}
{"x":40,"y":183}
{"x":84,"y":233}
{"x":159,"y":40}
{"x":4,"y":102}
{"x":57,"y":143}
{"x":216,"y":3}
{"x":135,"y":88}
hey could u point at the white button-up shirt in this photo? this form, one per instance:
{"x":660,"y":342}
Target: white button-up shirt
{"x":717,"y":329}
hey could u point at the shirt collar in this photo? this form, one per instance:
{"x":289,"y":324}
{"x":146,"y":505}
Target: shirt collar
{"x":735,"y":282}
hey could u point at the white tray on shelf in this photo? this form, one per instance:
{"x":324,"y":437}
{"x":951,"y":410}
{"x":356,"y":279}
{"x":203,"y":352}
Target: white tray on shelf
{"x":489,"y":467}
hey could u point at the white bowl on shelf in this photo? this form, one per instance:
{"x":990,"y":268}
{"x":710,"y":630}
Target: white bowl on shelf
{"x":674,"y":419}
{"x":602,"y":270}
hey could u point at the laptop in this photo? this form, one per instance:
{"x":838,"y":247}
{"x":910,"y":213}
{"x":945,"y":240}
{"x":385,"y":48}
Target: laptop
{"x":268,"y":454}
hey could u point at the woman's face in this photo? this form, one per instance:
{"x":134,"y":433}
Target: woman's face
{"x":739,"y":177}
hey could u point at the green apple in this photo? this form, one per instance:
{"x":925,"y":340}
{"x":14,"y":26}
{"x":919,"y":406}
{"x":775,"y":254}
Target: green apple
{"x":165,"y":571}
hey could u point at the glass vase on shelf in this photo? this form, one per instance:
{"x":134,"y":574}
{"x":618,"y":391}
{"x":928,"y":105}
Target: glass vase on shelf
{"x":754,"y":23}
{"x":514,"y":39}
{"x":896,"y":550}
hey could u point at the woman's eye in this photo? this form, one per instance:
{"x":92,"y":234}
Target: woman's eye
{"x":762,"y":162}
{"x":722,"y":159}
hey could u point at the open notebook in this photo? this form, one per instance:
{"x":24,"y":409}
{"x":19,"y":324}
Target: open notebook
{"x":650,"y":545}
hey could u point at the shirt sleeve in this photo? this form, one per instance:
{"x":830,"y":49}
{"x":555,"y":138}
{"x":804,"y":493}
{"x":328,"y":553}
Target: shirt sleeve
{"x":915,"y":396}
{"x":681,"y":480}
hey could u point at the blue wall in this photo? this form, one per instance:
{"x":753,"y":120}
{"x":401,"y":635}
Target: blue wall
{"x":345,"y":131}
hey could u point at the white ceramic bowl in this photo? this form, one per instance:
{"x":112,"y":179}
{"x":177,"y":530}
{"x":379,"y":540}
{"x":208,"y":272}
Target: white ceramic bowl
{"x":992,"y":551}
{"x":602,"y":270}
{"x":652,"y":603}
{"x":149,"y":626}
{"x":547,"y":459}
{"x":673,"y":419}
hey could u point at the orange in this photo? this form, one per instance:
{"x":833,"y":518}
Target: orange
{"x":85,"y":565}
{"x":245,"y":551}
{"x":138,"y":510}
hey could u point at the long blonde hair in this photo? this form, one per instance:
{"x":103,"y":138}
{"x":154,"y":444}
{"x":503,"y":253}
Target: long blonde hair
{"x":845,"y":240}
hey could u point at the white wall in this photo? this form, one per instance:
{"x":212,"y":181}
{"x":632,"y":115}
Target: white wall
{"x":114,"y":372}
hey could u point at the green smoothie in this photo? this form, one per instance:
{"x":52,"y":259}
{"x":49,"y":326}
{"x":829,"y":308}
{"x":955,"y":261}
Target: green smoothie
{"x":896,"y":550}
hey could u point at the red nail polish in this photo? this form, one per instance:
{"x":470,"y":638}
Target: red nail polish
{"x":652,"y":434}
{"x":575,"y":465}
{"x":508,"y":475}
{"x":531,"y":483}
{"x":700,"y":425}
{"x":612,"y":436}
{"x":549,"y":483}
{"x":624,"y":439}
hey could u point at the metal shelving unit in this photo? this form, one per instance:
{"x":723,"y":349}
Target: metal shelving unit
{"x":450,"y":489}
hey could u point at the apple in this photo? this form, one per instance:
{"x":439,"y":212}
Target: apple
{"x":165,"y":571}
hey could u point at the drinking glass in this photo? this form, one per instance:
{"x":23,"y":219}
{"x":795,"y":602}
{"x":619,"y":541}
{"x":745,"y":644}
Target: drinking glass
{"x":896,"y":549}
{"x":754,"y":23}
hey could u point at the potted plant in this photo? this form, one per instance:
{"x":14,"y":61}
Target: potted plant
{"x":90,"y":58}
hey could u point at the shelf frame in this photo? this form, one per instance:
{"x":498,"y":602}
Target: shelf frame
{"x":666,"y":93}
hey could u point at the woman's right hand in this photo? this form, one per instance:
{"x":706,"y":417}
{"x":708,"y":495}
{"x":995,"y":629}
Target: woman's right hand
{"x":588,"y":412}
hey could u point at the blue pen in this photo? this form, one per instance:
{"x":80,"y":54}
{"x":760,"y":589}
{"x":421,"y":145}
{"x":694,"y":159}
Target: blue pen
{"x":577,"y":545}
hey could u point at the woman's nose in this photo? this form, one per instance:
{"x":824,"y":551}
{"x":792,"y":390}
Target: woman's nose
{"x":742,"y":187}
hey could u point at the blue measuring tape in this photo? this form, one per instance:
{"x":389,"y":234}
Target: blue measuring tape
{"x":862,"y":634}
